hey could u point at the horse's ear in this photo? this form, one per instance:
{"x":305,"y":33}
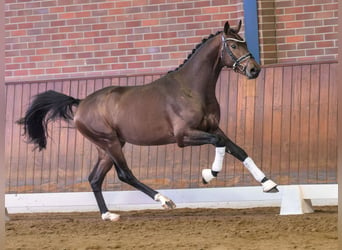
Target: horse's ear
{"x":239,"y":27}
{"x":226,"y":28}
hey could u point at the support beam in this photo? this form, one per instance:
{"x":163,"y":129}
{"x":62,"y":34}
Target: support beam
{"x":251,"y":27}
{"x":229,"y":197}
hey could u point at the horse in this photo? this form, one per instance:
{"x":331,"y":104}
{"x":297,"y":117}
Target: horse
{"x":180,"y":107}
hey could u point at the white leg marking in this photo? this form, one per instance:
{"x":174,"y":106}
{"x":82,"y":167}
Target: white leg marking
{"x":255,"y":171}
{"x":166,"y":202}
{"x":207,"y":175}
{"x":217,"y":164}
{"x":259,"y":175}
{"x":219,"y":157}
{"x":110,"y":216}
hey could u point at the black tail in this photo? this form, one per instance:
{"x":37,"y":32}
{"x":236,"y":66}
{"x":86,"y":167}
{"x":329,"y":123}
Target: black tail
{"x":46,"y":107}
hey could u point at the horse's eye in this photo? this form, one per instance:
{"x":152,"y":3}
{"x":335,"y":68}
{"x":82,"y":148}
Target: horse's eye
{"x":233,"y":46}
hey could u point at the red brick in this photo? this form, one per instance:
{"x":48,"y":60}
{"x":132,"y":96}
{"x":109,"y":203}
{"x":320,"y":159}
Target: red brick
{"x":53,"y":70}
{"x":12,"y":66}
{"x":133,"y":24}
{"x":325,"y":29}
{"x":43,"y":51}
{"x":192,"y":12}
{"x":325,"y":44}
{"x":294,"y":39}
{"x":313,"y":8}
{"x":136,"y":65}
{"x":176,"y":41}
{"x":293,"y":10}
{"x":125,"y":45}
{"x":67,"y":15}
{"x":305,"y":16}
{"x":153,"y":64}
{"x":142,"y":44}
{"x":296,"y":53}
{"x":314,"y":52}
{"x":152,"y":36}
{"x":57,"y":9}
{"x":29,"y":65}
{"x":315,"y":37}
{"x":187,"y":19}
{"x":20,"y":59}
{"x":150,"y":22}
{"x":21,"y":72}
{"x":211,"y":10}
{"x":160,"y":42}
{"x":144,"y":57}
{"x":291,"y":25}
{"x":118,"y":66}
{"x":321,"y":15}
{"x":18,"y":33}
{"x":36,"y":71}
{"x":123,"y":4}
{"x":202,"y":18}
{"x":201,"y":4}
{"x":69,"y":69}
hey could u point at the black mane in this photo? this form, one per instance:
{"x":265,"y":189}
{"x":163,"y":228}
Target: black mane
{"x":204,"y":40}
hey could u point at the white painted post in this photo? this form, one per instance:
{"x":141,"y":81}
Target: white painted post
{"x":293,"y":202}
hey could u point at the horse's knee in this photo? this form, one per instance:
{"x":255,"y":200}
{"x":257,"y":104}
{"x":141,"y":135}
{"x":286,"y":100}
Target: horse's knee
{"x":95,"y":184}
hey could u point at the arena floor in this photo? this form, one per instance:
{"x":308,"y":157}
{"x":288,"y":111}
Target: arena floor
{"x":216,"y":229}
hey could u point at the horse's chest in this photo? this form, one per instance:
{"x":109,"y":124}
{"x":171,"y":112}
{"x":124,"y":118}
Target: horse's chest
{"x":206,"y":117}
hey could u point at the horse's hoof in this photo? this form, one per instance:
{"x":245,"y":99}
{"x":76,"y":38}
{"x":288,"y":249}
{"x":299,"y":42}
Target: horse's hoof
{"x":169,"y":205}
{"x":273,"y":190}
{"x":110,"y":216}
{"x":207,"y":175}
{"x":270,"y":186}
{"x":166,"y":202}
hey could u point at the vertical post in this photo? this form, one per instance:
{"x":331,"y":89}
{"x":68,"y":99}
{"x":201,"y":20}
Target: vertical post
{"x":250,"y":10}
{"x":2,"y":123}
{"x":339,"y":125}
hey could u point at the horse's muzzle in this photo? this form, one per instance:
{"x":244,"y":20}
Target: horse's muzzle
{"x":252,"y":69}
{"x":253,"y":72}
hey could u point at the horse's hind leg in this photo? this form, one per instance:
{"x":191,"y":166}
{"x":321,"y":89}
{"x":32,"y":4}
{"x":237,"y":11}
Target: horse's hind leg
{"x":96,"y":177}
{"x":126,"y":175}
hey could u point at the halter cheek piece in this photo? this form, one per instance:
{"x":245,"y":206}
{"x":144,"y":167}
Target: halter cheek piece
{"x":237,"y":67}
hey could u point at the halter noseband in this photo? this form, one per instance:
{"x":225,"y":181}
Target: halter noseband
{"x":237,"y":67}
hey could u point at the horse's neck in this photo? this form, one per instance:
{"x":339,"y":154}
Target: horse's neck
{"x":203,"y":68}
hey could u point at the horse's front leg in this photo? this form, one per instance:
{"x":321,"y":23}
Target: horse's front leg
{"x":233,"y":149}
{"x":197,"y":137}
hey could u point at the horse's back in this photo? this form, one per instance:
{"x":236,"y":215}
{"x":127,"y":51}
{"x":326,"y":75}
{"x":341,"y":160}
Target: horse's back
{"x":137,"y":114}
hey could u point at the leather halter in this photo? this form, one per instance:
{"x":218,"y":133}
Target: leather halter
{"x":237,"y":66}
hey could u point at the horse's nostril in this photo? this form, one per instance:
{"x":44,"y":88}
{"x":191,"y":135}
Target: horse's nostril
{"x":254,"y":72}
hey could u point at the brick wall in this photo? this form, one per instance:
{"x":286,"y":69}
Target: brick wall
{"x":298,"y":30}
{"x":71,"y":38}
{"x":68,"y":38}
{"x":267,"y":32}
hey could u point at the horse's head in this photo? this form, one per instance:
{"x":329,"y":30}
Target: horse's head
{"x":234,"y":53}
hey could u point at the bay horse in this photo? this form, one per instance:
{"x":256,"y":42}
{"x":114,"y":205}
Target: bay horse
{"x":180,"y":107}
